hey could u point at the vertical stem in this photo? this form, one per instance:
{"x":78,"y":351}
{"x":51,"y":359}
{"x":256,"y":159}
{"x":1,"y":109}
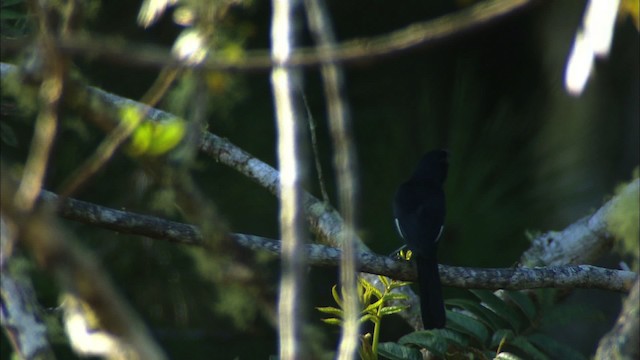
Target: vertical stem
{"x":291,"y":221}
{"x":345,"y":168}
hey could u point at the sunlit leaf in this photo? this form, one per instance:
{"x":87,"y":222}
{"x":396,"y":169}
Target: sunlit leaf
{"x":388,"y":310}
{"x":332,"y":321}
{"x":369,"y":317}
{"x":374,"y":306}
{"x":384,"y":280}
{"x":336,"y":296}
{"x":166,"y":136}
{"x":141,"y":139}
{"x":152,"y":10}
{"x":190,"y":47}
{"x":331,"y":311}
{"x":397,"y":284}
{"x":507,"y":356}
{"x":394,"y":296}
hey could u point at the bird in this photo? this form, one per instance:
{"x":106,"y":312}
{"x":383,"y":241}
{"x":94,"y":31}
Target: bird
{"x":419,"y":211}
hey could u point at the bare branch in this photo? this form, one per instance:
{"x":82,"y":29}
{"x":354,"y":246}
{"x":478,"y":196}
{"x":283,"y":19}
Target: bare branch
{"x":581,"y":242}
{"x":581,"y":276}
{"x":54,"y":68}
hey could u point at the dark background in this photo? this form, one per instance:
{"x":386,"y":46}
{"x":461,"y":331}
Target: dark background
{"x":525,"y":156}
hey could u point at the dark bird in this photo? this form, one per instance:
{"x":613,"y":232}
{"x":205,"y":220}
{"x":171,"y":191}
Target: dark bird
{"x":419,"y":210}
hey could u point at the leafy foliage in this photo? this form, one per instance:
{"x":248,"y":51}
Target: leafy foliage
{"x":622,"y":222}
{"x":375,"y":305}
{"x":506,"y":325}
{"x":13,"y":18}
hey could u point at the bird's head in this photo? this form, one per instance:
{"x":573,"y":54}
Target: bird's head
{"x":433,"y":166}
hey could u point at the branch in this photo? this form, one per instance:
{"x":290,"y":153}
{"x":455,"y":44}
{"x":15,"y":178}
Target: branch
{"x":580,"y":276}
{"x":581,"y":242}
{"x":622,"y":341}
{"x":344,"y":160}
{"x":422,"y":34}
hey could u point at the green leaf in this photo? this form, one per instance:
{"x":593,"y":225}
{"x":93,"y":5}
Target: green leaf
{"x":501,"y":308}
{"x":394,"y":351}
{"x":388,"y":310}
{"x":499,"y":335}
{"x":369,"y":317}
{"x":532,"y":352}
{"x":385,"y":281}
{"x":332,"y":321}
{"x":394,"y":296}
{"x":488,"y":317}
{"x":398,"y":284}
{"x":373,"y":307}
{"x":431,"y":340}
{"x":331,"y":311}
{"x":166,"y":136}
{"x":366,"y":350}
{"x":554,"y":348}
{"x":375,"y":291}
{"x":524,"y":302}
{"x":454,"y":338}
{"x":336,"y":296}
{"x":468,"y":325}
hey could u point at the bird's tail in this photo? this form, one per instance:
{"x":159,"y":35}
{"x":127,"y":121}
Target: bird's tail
{"x":431,"y":303}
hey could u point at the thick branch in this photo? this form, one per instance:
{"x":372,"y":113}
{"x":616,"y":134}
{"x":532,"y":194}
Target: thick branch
{"x":423,"y":34}
{"x":581,"y":242}
{"x":623,"y":341}
{"x":581,"y":276}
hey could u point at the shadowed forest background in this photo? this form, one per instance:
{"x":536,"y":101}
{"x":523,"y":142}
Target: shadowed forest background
{"x":525,"y":157}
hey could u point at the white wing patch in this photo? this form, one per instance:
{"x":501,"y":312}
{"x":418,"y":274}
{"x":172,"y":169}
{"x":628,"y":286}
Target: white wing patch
{"x":439,"y":233}
{"x":398,"y":228}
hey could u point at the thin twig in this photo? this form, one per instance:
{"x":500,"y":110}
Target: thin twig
{"x":316,"y":153}
{"x":418,"y":35}
{"x":51,"y":89}
{"x":346,"y":174}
